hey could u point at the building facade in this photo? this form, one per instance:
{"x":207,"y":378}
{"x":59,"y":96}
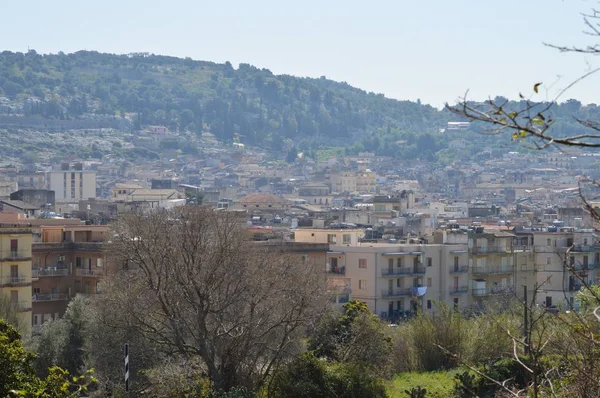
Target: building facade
{"x":72,"y":185}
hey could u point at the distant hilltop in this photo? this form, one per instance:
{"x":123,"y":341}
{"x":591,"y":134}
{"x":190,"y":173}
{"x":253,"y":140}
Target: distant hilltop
{"x":248,"y":105}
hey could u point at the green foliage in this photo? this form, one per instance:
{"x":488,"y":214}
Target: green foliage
{"x":310,"y":377}
{"x":17,"y":376}
{"x":416,"y":392}
{"x":436,"y":384}
{"x":355,"y":337}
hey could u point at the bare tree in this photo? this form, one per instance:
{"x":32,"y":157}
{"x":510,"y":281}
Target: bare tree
{"x":194,"y":286}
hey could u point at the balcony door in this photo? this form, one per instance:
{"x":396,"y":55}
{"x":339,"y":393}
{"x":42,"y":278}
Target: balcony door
{"x":390,"y":286}
{"x":14,"y":272}
{"x":14,"y":245}
{"x":391,"y":266}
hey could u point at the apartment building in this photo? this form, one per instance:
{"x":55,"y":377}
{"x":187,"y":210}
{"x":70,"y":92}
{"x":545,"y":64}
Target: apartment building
{"x":330,"y":236}
{"x":564,"y":258}
{"x":354,"y":181}
{"x":72,"y":185}
{"x":68,"y":259}
{"x":15,"y":268}
{"x":395,"y":280}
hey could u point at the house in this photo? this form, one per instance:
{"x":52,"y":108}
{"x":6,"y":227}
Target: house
{"x":17,"y":206}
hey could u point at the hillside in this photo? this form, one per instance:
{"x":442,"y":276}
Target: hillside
{"x":247,"y":104}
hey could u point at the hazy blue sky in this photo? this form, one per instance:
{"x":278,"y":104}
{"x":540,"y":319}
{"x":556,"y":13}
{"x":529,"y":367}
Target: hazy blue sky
{"x":430,"y":49}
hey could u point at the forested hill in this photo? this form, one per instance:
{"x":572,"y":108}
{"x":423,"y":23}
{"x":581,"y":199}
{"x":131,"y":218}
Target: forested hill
{"x":251,"y":104}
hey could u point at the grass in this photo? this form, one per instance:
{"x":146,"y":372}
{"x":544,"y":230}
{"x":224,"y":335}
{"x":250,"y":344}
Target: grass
{"x":438,"y":384}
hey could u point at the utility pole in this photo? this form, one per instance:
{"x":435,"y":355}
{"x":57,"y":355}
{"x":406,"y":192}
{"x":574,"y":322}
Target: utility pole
{"x":525,"y":321}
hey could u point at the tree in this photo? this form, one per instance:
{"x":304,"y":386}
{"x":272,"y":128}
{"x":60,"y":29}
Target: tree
{"x":193,"y":285}
{"x":17,"y":376}
{"x":356,"y":337}
{"x":310,"y":377}
{"x":291,"y":155}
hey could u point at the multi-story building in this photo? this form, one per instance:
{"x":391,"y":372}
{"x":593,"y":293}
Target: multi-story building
{"x":72,"y":185}
{"x":354,"y":181}
{"x":565,"y":258}
{"x":68,"y":259}
{"x":15,"y":268}
{"x":328,"y":235}
{"x":394,"y":280}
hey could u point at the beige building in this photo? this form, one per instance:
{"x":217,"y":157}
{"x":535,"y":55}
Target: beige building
{"x":354,"y":181}
{"x":331,"y":236}
{"x":395,"y":280}
{"x":15,"y":269}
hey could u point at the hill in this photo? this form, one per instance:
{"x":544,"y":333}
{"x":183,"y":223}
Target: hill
{"x":247,"y":104}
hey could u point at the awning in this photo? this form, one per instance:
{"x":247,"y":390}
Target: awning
{"x":458,"y":251}
{"x":335,"y":252}
{"x":395,"y":253}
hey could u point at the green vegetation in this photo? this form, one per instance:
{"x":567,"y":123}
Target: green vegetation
{"x":439,"y":384}
{"x":248,"y":104}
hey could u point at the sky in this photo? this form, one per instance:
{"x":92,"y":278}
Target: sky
{"x":432,"y":50}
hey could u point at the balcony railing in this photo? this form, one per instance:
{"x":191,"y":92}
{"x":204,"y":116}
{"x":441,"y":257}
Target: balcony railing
{"x":49,"y":297}
{"x":493,"y":270}
{"x":489,"y":250}
{"x":87,"y":272}
{"x":48,"y":272}
{"x":15,"y":280}
{"x":459,"y":290}
{"x":391,"y":293}
{"x":337,"y":270}
{"x":21,"y":306}
{"x":493,"y":290}
{"x":585,"y":249}
{"x":392,"y":272}
{"x":461,"y":269}
{"x":16,"y":254}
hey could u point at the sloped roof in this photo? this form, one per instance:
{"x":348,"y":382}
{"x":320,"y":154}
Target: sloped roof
{"x":262,"y":198}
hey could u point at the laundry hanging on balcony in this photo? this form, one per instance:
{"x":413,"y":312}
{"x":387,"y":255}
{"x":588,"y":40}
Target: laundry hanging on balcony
{"x":419,"y":291}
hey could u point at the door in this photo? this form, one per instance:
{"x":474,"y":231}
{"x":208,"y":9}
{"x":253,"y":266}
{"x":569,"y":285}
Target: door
{"x":14,"y":296}
{"x":455,"y":263}
{"x":333,"y":263}
{"x":14,"y":273}
{"x":548,"y":301}
{"x":391,"y":309}
{"x":14,"y":245}
{"x":390,"y":286}
{"x":456,"y":283}
{"x":391,"y":266}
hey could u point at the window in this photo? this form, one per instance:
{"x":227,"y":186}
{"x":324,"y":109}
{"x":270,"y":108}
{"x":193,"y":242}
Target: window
{"x":346,"y":239}
{"x":331,"y":238}
{"x":398,"y":282}
{"x":428,"y":304}
{"x":362,"y":284}
{"x":585,"y":241}
{"x":429,"y":283}
{"x":548,"y":260}
{"x":456,"y":261}
{"x":100,"y":262}
{"x":362,"y":263}
{"x":78,"y":261}
{"x":549,"y":242}
{"x":429,"y":261}
{"x":36,"y":290}
{"x":455,"y":303}
{"x":14,"y":245}
{"x":399,"y":262}
{"x":35,"y":320}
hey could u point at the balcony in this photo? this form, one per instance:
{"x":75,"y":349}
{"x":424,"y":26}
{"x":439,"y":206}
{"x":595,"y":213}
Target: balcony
{"x":21,"y":306}
{"x":336,"y":270}
{"x":493,"y":270}
{"x":88,"y":272}
{"x":49,"y":272}
{"x":458,"y":290}
{"x":585,"y":249}
{"x":489,"y":250}
{"x":394,"y":272}
{"x":393,"y":293}
{"x":16,"y":255}
{"x":16,"y":280}
{"x":493,"y":291}
{"x":459,"y":269}
{"x":49,"y":297}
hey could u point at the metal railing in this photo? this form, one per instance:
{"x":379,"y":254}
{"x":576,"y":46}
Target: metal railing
{"x":386,"y":272}
{"x":49,"y":297}
{"x":337,"y":270}
{"x":461,"y":269}
{"x":86,"y":272}
{"x":16,"y":254}
{"x":585,"y":249}
{"x":493,"y":290}
{"x":15,"y":280}
{"x":390,"y":293}
{"x":459,"y":290}
{"x":47,"y":272}
{"x":504,"y":269}
{"x":489,"y":250}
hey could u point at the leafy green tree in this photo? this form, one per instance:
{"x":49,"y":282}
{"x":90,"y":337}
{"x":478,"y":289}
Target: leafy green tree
{"x":291,"y":155}
{"x":311,"y":377}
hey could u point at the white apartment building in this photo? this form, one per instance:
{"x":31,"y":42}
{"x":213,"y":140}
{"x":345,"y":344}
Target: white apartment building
{"x":72,"y":185}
